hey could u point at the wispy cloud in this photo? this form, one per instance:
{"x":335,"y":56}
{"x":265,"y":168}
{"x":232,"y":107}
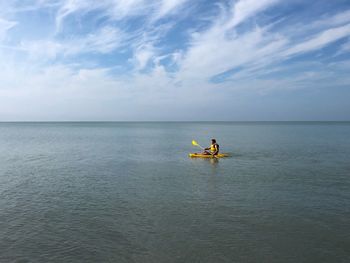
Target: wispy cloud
{"x":119,"y":10}
{"x":142,"y":55}
{"x":168,"y":7}
{"x":334,"y":20}
{"x":320,"y":40}
{"x":221,"y":49}
{"x":105,"y":40}
{"x":346,"y":47}
{"x":245,"y":9}
{"x":5,"y":25}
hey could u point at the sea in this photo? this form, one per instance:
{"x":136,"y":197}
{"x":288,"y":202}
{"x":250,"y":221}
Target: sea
{"x":128,"y":192}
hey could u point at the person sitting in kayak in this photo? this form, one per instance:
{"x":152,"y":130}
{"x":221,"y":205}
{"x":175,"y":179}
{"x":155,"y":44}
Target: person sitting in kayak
{"x":213,"y":149}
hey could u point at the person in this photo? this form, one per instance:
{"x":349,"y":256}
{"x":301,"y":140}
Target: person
{"x":213,"y":149}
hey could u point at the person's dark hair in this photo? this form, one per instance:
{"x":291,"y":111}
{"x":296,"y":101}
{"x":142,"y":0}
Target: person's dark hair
{"x":213,"y":140}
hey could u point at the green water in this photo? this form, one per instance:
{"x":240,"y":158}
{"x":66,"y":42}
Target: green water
{"x":127,"y":192}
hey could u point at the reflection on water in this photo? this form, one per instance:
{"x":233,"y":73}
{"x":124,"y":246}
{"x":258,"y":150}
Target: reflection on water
{"x":214,"y":161}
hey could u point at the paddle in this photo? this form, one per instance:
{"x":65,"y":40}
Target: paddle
{"x":197,"y":144}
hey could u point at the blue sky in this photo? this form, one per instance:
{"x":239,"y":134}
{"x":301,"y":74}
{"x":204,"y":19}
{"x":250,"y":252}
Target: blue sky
{"x":174,"y":60}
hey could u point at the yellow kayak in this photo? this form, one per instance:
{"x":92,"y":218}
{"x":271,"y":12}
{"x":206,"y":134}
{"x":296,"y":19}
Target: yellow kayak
{"x":200,"y":155}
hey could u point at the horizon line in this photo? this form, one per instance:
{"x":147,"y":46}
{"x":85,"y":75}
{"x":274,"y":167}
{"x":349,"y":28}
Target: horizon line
{"x":145,"y":121}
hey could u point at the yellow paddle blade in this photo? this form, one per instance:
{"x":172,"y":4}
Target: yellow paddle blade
{"x":195,"y":143}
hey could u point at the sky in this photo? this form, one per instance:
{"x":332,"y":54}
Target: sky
{"x":174,"y":60}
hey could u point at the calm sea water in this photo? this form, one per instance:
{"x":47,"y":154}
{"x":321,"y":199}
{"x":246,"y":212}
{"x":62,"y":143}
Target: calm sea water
{"x":127,"y":192}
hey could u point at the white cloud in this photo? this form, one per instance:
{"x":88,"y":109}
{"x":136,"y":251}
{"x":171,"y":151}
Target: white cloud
{"x":142,"y":56}
{"x":335,"y":20}
{"x":245,"y":9}
{"x":118,"y":10}
{"x":346,"y":47}
{"x":219,"y":48}
{"x":126,"y":8}
{"x":85,"y":94}
{"x":302,"y":29}
{"x":105,"y":40}
{"x":168,"y":6}
{"x":5,"y":25}
{"x":71,"y":6}
{"x":320,"y":40}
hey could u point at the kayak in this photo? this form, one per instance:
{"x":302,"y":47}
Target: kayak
{"x":200,"y":155}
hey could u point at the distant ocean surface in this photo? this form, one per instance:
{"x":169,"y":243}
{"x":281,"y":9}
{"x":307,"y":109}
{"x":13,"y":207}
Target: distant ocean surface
{"x":127,"y":192}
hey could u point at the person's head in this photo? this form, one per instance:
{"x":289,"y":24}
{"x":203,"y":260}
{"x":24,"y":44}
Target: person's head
{"x":213,"y":141}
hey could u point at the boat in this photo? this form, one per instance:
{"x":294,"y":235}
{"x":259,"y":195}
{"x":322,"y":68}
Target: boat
{"x":200,"y":155}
